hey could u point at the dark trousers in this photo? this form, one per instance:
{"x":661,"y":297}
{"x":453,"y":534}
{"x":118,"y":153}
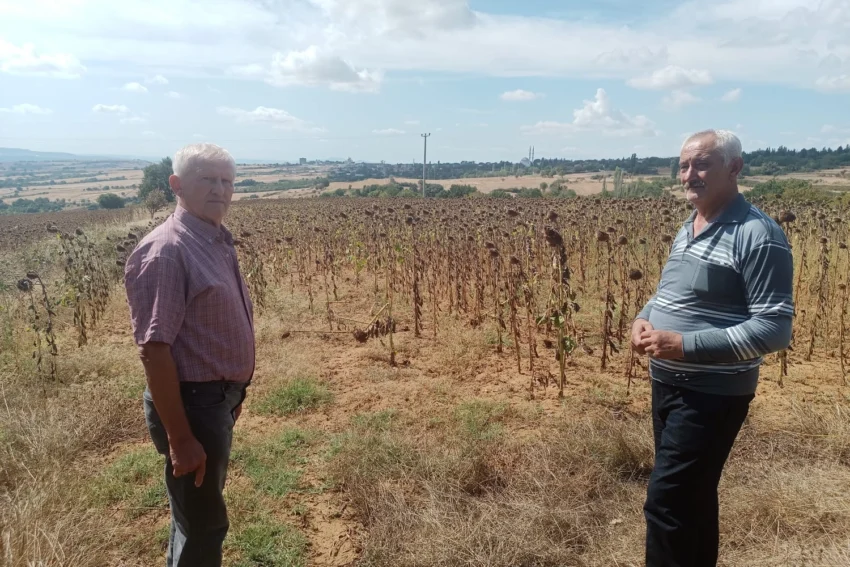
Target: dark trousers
{"x":694,"y":433}
{"x":198,"y":514}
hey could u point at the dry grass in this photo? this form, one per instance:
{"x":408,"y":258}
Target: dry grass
{"x":457,"y":469}
{"x":573,"y":495}
{"x":44,"y":511}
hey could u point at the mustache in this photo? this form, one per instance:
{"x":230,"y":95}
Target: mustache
{"x":694,"y":184}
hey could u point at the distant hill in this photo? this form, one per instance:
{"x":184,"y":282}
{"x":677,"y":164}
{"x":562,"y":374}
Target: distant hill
{"x":18,"y":154}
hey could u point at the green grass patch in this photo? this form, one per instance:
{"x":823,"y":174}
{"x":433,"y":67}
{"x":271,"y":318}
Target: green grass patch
{"x":479,"y":420}
{"x":299,"y":394}
{"x":370,"y":451}
{"x":265,"y":542}
{"x":161,"y":536}
{"x":275,"y":465}
{"x":135,"y":481}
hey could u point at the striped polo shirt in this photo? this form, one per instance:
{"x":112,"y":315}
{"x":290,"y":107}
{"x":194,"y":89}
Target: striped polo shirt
{"x":728,"y":292}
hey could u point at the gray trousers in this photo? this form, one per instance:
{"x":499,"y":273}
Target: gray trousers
{"x":198,"y":514}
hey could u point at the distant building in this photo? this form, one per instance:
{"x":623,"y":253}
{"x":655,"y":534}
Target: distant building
{"x":525,"y":162}
{"x":302,"y":161}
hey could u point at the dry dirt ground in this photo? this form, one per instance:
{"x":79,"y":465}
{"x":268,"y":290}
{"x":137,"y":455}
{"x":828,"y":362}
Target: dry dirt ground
{"x":541,"y":480}
{"x":436,"y":375}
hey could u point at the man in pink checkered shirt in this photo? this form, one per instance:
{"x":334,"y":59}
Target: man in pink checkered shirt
{"x":193,"y":323}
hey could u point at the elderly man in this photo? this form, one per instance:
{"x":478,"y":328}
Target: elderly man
{"x":193,"y":323}
{"x":723,"y":302}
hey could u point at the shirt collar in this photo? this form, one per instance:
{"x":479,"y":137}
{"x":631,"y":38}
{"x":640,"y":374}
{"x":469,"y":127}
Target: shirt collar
{"x":735,"y":212}
{"x":204,"y":229}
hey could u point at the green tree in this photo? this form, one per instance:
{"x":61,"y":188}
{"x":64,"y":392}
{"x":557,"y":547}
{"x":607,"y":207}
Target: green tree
{"x":110,"y":201}
{"x":156,"y":177}
{"x":155,"y":201}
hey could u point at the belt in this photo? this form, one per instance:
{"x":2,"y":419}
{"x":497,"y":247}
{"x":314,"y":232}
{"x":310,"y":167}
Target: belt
{"x":218,"y":386}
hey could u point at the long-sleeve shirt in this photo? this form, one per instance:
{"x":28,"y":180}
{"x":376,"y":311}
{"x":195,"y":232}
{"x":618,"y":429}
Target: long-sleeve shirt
{"x":728,"y":292}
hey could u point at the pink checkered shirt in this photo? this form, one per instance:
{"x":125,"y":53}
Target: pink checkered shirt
{"x":185,"y":289}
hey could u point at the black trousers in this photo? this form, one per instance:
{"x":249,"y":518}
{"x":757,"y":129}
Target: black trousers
{"x":694,"y":433}
{"x":199,"y":520}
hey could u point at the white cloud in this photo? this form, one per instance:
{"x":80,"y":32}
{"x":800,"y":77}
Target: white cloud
{"x":389,"y":132}
{"x":134,"y":120}
{"x":732,"y":96}
{"x":135,"y":88}
{"x":832,"y":129}
{"x":24,"y":60}
{"x":631,"y":57}
{"x":790,"y":42}
{"x":27,"y":108}
{"x":598,"y":116}
{"x":672,"y":77}
{"x":276,"y":117}
{"x":173,"y":94}
{"x":519,"y":95}
{"x":157,"y":80}
{"x":111,"y":108}
{"x":252,"y":71}
{"x":311,"y":67}
{"x":838,"y":83}
{"x":412,"y":122}
{"x":399,"y":18}
{"x":678,"y":99}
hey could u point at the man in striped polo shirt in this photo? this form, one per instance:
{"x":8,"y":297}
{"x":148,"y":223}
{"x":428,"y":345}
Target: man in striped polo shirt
{"x":723,"y":302}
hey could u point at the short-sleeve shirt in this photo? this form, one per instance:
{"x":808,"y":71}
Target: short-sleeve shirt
{"x":185,"y":289}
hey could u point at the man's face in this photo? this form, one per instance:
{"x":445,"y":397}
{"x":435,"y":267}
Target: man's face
{"x":206,"y":190}
{"x":706,"y":179}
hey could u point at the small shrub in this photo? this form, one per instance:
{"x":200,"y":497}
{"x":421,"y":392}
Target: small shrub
{"x":110,"y":201}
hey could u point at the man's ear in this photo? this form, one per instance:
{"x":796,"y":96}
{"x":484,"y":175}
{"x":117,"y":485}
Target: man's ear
{"x":737,"y":166}
{"x":174,"y":181}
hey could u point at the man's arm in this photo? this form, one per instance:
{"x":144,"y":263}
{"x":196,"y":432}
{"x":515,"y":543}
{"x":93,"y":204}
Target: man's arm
{"x":187,"y":454}
{"x":768,"y":277}
{"x":156,"y":293}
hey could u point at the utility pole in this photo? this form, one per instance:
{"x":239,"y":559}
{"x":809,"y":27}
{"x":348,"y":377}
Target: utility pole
{"x":424,"y":162}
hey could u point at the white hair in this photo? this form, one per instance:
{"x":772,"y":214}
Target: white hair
{"x":186,"y":155}
{"x":725,"y":141}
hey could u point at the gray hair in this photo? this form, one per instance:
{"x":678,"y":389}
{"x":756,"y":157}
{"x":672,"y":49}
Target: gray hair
{"x":186,"y":155}
{"x":725,"y":141}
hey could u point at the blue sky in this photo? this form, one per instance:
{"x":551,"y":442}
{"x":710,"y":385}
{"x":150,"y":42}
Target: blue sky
{"x":282,"y":79}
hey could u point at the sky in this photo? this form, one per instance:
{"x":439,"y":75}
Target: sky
{"x":281,"y":79}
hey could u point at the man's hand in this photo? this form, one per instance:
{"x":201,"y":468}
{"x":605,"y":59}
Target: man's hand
{"x":665,"y":345}
{"x":639,"y":327}
{"x":188,"y":456}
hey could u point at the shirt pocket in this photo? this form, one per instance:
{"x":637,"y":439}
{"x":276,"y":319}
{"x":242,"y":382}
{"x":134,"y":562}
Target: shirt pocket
{"x":717,"y":284}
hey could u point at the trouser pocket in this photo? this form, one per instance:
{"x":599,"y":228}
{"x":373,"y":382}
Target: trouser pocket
{"x":155,"y":426}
